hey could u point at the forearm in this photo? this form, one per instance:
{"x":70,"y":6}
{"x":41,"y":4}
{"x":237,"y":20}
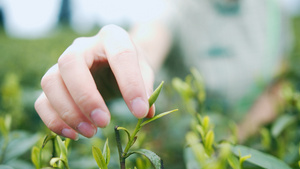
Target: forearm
{"x":262,"y":112}
{"x":154,"y":41}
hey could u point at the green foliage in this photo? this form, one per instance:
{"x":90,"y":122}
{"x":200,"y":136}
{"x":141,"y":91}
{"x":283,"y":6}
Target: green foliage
{"x":11,"y":98}
{"x":204,"y":152}
{"x":59,"y":148}
{"x":155,"y":160}
{"x":123,"y":154}
{"x":155,"y":94}
{"x":281,"y":123}
{"x":23,"y":62}
{"x":157,"y":117}
{"x":102,"y":159}
{"x":36,"y":157}
{"x":258,"y":158}
{"x":14,"y":145}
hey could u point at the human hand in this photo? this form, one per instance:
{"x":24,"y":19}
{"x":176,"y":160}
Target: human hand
{"x":71,"y":103}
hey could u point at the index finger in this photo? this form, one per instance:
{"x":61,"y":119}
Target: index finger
{"x":111,"y":45}
{"x":124,"y":62}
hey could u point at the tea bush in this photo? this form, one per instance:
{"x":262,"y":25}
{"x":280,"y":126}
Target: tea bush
{"x":197,"y":136}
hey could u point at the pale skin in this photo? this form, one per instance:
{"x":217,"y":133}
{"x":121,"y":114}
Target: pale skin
{"x":71,"y":102}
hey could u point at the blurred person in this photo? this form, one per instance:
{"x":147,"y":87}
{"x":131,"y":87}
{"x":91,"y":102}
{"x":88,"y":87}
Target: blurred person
{"x":234,"y":44}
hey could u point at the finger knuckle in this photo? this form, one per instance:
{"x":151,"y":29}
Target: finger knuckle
{"x":53,"y":125}
{"x":70,"y":116}
{"x":78,"y":48}
{"x":123,"y":54}
{"x":85,"y":101}
{"x":66,"y":115}
{"x":38,"y":104}
{"x":47,"y":81}
{"x":65,"y":59}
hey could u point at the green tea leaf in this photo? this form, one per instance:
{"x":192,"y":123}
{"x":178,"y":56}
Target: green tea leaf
{"x":244,"y":158}
{"x":35,"y":156}
{"x":157,"y":117}
{"x":155,"y":94}
{"x":281,"y":123}
{"x":225,"y":149}
{"x":201,"y":131}
{"x":53,"y":161}
{"x":233,"y":162}
{"x":209,"y":140}
{"x":62,"y":147}
{"x":127,"y":132}
{"x":106,"y":152}
{"x":196,"y":146}
{"x":199,"y":118}
{"x":67,"y":142}
{"x":199,"y":84}
{"x":205,"y":123}
{"x":99,"y":157}
{"x":139,"y":163}
{"x":48,"y":137}
{"x":260,"y":159}
{"x":266,"y":138}
{"x":153,"y":158}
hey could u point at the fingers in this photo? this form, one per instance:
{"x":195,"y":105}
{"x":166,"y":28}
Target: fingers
{"x":113,"y":45}
{"x":71,"y":101}
{"x":58,"y":96}
{"x":74,"y":67}
{"x":52,"y":120}
{"x":124,"y":62}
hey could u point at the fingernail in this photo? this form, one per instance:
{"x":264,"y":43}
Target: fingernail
{"x":86,"y":129}
{"x":100,"y":117}
{"x":139,"y":107}
{"x":69,"y":133}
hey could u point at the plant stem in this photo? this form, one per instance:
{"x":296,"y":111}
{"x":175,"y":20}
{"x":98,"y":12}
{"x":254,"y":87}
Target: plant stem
{"x":66,"y":164}
{"x":132,"y":138}
{"x":120,"y":150}
{"x":123,"y":154}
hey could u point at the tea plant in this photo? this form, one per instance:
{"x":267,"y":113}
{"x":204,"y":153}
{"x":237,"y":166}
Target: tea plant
{"x":60,"y":152}
{"x":59,"y":157}
{"x":103,"y":158}
{"x":281,"y":138}
{"x":202,"y":150}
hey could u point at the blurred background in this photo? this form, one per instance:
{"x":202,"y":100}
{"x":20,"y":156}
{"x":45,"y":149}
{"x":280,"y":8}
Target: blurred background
{"x":34,"y":33}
